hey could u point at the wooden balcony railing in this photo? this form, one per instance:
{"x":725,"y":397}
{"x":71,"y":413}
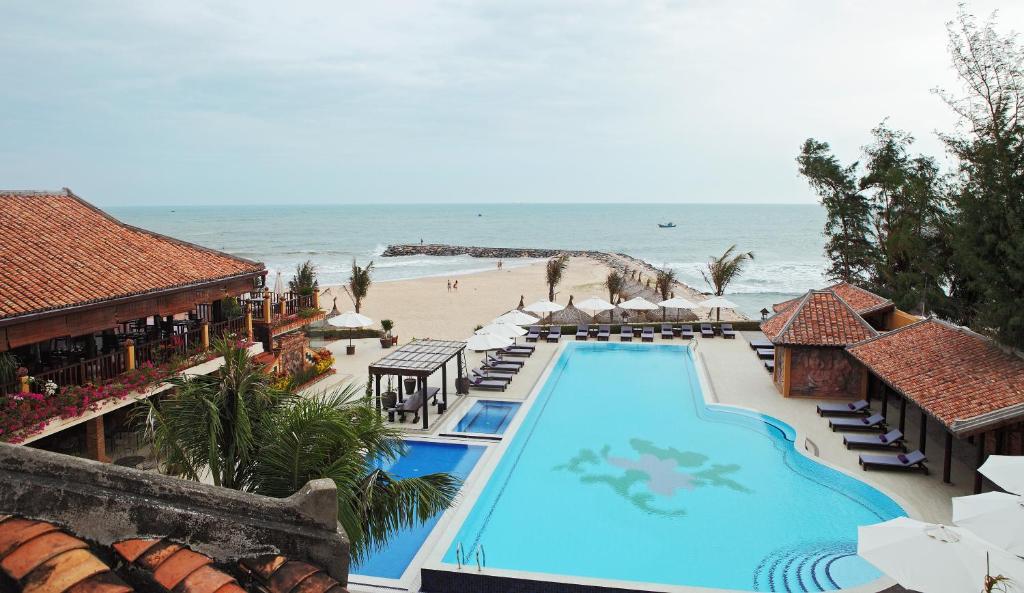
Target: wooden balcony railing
{"x":281,"y":306}
{"x":89,"y":370}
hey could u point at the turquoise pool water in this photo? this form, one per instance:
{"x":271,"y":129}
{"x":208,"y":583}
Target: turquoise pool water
{"x":487,"y":417}
{"x":421,"y":458}
{"x":620,"y":471}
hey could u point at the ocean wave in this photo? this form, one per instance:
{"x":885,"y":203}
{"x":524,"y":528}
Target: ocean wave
{"x":761,"y":277}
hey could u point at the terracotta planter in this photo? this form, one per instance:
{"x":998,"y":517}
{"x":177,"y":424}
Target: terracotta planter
{"x":385,"y":342}
{"x":350,"y":350}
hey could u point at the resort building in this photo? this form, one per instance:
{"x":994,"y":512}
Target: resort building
{"x":94,"y":314}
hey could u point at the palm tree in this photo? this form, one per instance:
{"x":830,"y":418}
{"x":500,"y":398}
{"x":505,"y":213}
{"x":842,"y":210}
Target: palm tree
{"x":615,"y":282}
{"x":305,"y":282}
{"x":720,"y":271}
{"x":359,"y":283}
{"x":664,"y":281}
{"x":249,"y":437}
{"x":556,"y":267}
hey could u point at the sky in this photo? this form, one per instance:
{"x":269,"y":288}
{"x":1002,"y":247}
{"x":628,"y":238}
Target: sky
{"x":238,"y":102}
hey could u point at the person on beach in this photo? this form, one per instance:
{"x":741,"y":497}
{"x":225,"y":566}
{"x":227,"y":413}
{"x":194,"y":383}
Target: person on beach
{"x":500,"y":264}
{"x":449,"y":285}
{"x":456,"y":286}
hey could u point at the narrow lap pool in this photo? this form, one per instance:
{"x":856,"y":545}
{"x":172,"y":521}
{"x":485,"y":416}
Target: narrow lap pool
{"x":487,"y":417}
{"x":421,"y":458}
{"x":620,"y":471}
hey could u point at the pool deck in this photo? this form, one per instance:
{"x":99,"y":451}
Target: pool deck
{"x":733,"y":375}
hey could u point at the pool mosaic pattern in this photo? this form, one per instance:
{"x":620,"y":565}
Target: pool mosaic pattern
{"x":621,"y":471}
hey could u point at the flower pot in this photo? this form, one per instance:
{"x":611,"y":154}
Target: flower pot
{"x":410,"y":385}
{"x":462,"y":385}
{"x":388,"y":399}
{"x":350,"y":350}
{"x":385,"y":342}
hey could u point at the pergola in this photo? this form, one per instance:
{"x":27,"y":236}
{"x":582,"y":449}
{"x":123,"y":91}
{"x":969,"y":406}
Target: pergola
{"x":420,"y":359}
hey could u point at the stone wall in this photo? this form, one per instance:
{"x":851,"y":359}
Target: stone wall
{"x":824,"y":372}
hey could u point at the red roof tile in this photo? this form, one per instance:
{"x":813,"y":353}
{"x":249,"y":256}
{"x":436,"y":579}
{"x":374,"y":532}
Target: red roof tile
{"x":58,"y":251}
{"x":863,"y":301}
{"x":280,"y":575}
{"x":820,"y":318}
{"x":176,"y":568}
{"x":961,"y":378}
{"x":39,"y":558}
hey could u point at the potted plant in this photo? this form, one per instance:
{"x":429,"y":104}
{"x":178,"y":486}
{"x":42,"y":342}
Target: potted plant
{"x":389,"y":399}
{"x":410,"y":385}
{"x":385,"y":339}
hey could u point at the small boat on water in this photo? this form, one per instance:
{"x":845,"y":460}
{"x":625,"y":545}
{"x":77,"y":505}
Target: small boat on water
{"x":667,"y":225}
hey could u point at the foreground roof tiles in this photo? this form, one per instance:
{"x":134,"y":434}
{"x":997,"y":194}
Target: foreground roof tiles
{"x":39,"y":558}
{"x":959,"y":377}
{"x":58,"y":251}
{"x":820,"y":318}
{"x":863,"y":301}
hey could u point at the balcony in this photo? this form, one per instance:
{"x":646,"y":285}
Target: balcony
{"x":274,"y":315}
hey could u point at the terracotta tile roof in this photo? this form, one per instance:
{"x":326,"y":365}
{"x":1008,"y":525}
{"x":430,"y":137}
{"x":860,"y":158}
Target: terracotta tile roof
{"x":176,"y":568}
{"x":962,"y":379}
{"x":277,"y":574}
{"x":863,"y":301}
{"x":58,"y":251}
{"x":786,"y":304}
{"x":820,"y":318}
{"x":39,"y":558}
{"x":783,"y":311}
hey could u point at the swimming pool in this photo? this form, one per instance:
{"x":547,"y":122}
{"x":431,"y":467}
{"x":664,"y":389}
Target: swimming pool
{"x":621,"y":472}
{"x":421,"y":458}
{"x":487,"y":417}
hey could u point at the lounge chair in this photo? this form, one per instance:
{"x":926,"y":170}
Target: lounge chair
{"x":666,"y":331}
{"x":846,"y":409}
{"x":594,"y":330}
{"x":766,"y":353}
{"x":581,"y":333}
{"x":534,"y":334}
{"x":648,"y":334}
{"x":758,"y":343}
{"x":604,"y":333}
{"x":492,"y":375}
{"x":872,"y":423}
{"x":686,"y":332}
{"x":515,"y":352}
{"x":625,"y":333}
{"x":890,"y":440}
{"x":498,"y":360}
{"x":706,"y":331}
{"x":488,"y":384}
{"x":728,"y":331}
{"x":555,"y":334}
{"x":769,"y":365}
{"x":904,"y":461}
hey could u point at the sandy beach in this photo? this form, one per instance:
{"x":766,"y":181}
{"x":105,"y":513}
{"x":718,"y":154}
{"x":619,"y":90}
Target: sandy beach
{"x":423,"y":307}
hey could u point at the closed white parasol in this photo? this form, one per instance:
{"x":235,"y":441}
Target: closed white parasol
{"x":935,"y":558}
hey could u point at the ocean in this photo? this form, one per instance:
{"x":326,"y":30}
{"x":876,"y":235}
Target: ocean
{"x":786,"y":239}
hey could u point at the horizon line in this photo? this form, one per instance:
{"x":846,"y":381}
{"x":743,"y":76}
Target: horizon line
{"x":251,"y":204}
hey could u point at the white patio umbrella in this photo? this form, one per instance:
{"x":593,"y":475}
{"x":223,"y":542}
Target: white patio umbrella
{"x":638,"y":304}
{"x":594,"y":306}
{"x":717,"y":302}
{"x":278,"y":285}
{"x":996,"y":517}
{"x":678,"y":303}
{"x":935,"y":558}
{"x":484,"y":342}
{"x":1007,"y":471}
{"x":515,"y":317}
{"x":350,"y":320}
{"x":543,"y":307}
{"x":504,"y":330}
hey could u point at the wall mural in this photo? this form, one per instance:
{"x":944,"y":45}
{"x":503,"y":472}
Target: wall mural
{"x":823,"y":372}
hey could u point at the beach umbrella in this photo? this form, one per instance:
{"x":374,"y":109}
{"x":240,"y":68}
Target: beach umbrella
{"x":934,"y":558}
{"x":1006,"y":471}
{"x":278,"y":285}
{"x":543,"y":307}
{"x":595,"y":306}
{"x":996,"y":517}
{"x":515,"y":317}
{"x":350,"y":320}
{"x":718,"y":302}
{"x":484,"y":342}
{"x":638,"y":304}
{"x":504,"y":330}
{"x":678,"y":303}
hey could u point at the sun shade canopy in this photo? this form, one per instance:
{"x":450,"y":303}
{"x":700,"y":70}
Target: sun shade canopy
{"x":419,"y":358}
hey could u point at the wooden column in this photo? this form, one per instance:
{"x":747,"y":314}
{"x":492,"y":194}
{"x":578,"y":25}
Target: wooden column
{"x":204,"y":334}
{"x":248,"y":326}
{"x":923,"y":432}
{"x":947,"y":458}
{"x":266,"y":305}
{"x":979,"y":459}
{"x":444,"y":384}
{"x":903,"y":413}
{"x":885,"y":401}
{"x":426,"y":404}
{"x":316,"y":298}
{"x":95,"y":441}
{"x":281,"y":304}
{"x":23,"y":380}
{"x":401,"y":390}
{"x":377,"y":391}
{"x":129,"y":353}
